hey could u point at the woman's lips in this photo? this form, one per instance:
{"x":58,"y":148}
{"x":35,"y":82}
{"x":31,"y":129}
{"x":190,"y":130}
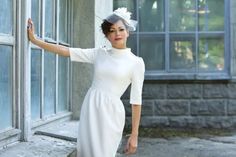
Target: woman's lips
{"x":118,"y":38}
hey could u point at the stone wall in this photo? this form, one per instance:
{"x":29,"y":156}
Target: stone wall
{"x":86,"y":33}
{"x":165,"y":104}
{"x":192,"y":105}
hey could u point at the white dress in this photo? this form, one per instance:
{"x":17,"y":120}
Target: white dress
{"x":102,"y":115}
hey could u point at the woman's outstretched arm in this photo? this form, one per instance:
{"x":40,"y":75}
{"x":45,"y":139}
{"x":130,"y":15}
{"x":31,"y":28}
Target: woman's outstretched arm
{"x":57,"y":49}
{"x":132,"y":143}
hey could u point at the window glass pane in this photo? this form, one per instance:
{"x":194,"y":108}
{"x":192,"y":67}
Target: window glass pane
{"x":6,"y":16}
{"x":211,"y":53}
{"x":151,"y":15}
{"x":129,"y":4}
{"x":211,"y":15}
{"x":62,"y":84}
{"x":35,"y":15}
{"x":49,"y":83}
{"x":63,"y":17}
{"x":5,"y":87}
{"x":182,"y":52}
{"x":182,"y":15}
{"x":152,"y":50}
{"x":35,"y":83}
{"x":132,"y":43}
{"x":49,"y":19}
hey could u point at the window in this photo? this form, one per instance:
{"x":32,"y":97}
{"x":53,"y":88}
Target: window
{"x":49,"y":72}
{"x":184,"y":39}
{"x":7,"y":50}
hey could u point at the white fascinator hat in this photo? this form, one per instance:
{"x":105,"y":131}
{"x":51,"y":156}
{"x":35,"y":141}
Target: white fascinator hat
{"x":125,"y":15}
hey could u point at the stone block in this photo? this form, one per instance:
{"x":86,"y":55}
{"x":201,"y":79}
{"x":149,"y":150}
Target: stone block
{"x":231,"y":107}
{"x":232,"y":90}
{"x":218,"y":122}
{"x":126,"y":94}
{"x":215,"y":91}
{"x":153,"y":122}
{"x":148,"y":108}
{"x":171,"y":107}
{"x":154,"y":91}
{"x":178,"y":122}
{"x":183,"y":91}
{"x":208,"y":107}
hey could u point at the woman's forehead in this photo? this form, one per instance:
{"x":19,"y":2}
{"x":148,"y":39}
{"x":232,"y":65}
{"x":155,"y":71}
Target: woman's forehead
{"x":118,"y":24}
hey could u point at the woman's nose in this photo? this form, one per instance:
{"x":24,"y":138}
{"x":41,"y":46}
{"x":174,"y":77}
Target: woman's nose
{"x":117,"y":32}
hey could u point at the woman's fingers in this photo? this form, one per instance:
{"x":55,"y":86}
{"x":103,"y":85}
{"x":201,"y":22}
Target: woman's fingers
{"x":30,"y":28}
{"x":30,"y":24}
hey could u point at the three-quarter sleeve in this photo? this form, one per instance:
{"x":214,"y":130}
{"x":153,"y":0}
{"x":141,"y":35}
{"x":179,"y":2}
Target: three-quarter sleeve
{"x":83,"y":55}
{"x":137,"y":83}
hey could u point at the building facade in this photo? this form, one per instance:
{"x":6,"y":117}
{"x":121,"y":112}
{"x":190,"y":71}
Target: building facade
{"x":188,"y":47}
{"x":38,"y":88}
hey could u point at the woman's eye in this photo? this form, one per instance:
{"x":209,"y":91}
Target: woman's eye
{"x":111,"y":31}
{"x":122,"y":29}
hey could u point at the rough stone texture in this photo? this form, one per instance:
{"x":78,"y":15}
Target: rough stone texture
{"x":208,"y":107}
{"x":215,"y":91}
{"x":148,"y":108}
{"x":154,"y":121}
{"x":231,"y":107}
{"x":154,"y":91}
{"x":83,"y":17}
{"x":171,"y":107}
{"x":184,"y":91}
{"x":232,"y":89}
{"x":87,"y":17}
{"x":218,"y":122}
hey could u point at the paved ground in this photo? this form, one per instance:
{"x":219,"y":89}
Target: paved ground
{"x":186,"y":147}
{"x":202,"y":145}
{"x":40,"y":146}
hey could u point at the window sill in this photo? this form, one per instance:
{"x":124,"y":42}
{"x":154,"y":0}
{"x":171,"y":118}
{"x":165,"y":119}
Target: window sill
{"x":187,"y":76}
{"x":9,"y":137}
{"x":64,"y":116}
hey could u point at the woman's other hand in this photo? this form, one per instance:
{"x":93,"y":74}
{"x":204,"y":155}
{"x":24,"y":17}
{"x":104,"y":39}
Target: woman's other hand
{"x":131,"y":145}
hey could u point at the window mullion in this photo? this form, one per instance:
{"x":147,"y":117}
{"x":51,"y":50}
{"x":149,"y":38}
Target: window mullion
{"x":42,"y":70}
{"x":227,"y":37}
{"x":14,"y":102}
{"x":57,"y":59}
{"x":167,"y":37}
{"x":137,"y":34}
{"x":196,"y":37}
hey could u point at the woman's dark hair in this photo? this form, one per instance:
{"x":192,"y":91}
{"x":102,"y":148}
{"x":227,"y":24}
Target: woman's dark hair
{"x":107,"y":23}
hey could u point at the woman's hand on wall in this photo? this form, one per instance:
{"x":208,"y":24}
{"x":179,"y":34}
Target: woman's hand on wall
{"x":30,"y":30}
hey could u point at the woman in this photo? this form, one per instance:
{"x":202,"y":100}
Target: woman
{"x":102,"y":116}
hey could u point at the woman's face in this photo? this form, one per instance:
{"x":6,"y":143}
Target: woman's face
{"x":118,"y":35}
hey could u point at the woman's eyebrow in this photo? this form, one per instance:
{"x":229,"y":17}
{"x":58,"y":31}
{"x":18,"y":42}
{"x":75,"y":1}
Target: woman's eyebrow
{"x":118,"y":27}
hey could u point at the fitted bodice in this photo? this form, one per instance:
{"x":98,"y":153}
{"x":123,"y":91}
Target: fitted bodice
{"x":114,"y":70}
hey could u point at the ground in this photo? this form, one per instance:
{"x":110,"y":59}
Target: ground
{"x":60,"y":141}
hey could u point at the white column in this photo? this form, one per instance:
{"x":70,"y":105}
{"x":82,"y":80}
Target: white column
{"x":25,"y":109}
